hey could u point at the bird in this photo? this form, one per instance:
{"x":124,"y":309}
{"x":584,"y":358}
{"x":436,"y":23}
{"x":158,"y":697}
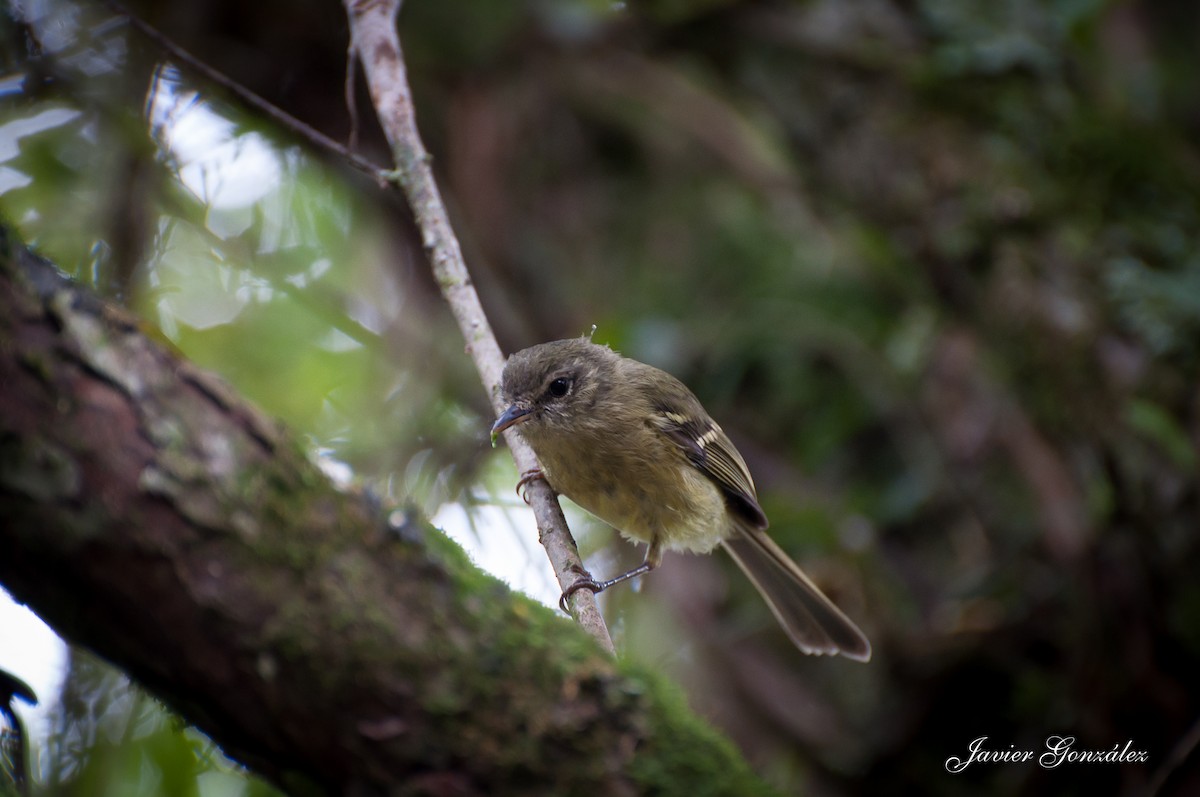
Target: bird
{"x":633,"y":446}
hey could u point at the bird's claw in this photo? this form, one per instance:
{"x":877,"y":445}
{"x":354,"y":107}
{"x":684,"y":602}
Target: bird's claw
{"x":585,"y":582}
{"x":533,"y":474}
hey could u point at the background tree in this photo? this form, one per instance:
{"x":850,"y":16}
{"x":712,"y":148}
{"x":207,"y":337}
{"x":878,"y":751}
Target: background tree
{"x":933,"y":266}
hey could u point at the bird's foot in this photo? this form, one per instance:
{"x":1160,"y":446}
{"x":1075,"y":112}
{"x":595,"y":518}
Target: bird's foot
{"x":531,"y":475}
{"x":585,"y":581}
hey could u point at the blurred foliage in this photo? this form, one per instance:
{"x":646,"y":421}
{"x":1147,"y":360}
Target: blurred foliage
{"x":933,"y":265}
{"x":251,"y":258}
{"x":110,"y":738}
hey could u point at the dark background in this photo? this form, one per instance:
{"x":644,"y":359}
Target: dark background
{"x":933,"y":266}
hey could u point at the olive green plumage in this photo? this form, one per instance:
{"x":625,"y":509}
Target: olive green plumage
{"x":633,"y":446}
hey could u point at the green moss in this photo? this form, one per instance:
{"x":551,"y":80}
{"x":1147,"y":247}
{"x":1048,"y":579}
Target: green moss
{"x":38,"y":468}
{"x":38,"y":365}
{"x":686,"y":749}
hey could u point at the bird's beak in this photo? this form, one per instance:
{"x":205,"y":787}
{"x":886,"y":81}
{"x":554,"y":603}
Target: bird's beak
{"x":515,"y":414}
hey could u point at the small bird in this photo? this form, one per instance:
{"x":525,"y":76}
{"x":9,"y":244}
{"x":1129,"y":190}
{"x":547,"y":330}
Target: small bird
{"x":634,"y":447}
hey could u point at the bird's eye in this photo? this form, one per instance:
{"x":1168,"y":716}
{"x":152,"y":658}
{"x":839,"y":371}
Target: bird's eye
{"x":559,"y":387}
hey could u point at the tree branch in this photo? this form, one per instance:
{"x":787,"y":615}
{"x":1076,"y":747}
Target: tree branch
{"x":276,"y":114}
{"x":153,"y":516}
{"x":373,"y":35}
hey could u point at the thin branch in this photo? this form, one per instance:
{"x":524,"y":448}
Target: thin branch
{"x":373,"y":34}
{"x":275,"y":113}
{"x":373,"y":31}
{"x":350,"y":98}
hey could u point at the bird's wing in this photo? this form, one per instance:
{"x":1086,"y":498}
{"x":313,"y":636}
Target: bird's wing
{"x":711,"y":451}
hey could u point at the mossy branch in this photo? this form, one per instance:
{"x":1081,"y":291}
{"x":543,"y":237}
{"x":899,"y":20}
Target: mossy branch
{"x":155,"y":517}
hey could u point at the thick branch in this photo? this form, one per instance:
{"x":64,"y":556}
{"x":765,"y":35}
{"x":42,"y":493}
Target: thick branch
{"x":156,"y":518}
{"x":373,"y":33}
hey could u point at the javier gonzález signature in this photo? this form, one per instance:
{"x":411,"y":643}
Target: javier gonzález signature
{"x":1058,"y":750}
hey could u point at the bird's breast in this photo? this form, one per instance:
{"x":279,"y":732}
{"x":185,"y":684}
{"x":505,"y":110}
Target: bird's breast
{"x":670,"y":500}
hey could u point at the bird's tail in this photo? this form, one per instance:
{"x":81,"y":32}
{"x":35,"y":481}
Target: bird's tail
{"x":810,"y":619}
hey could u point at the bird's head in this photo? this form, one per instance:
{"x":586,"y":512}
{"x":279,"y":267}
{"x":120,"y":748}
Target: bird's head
{"x":554,"y":388}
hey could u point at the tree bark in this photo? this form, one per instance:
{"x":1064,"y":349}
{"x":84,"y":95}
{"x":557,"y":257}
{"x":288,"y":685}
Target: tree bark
{"x":155,"y":517}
